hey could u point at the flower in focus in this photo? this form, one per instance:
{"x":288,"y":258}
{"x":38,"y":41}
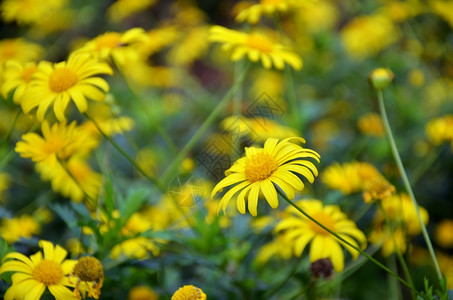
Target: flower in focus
{"x":256,"y":46}
{"x":57,"y":84}
{"x":371,"y":124}
{"x":253,"y":13}
{"x":278,"y":165}
{"x":89,"y":272}
{"x":440,"y":130}
{"x":122,"y":9}
{"x":300,"y":231}
{"x":142,"y":293}
{"x":365,"y":36}
{"x":13,"y":229}
{"x":189,"y":292}
{"x":444,"y":233}
{"x":120,"y":47}
{"x":16,"y":76}
{"x":60,"y":141}
{"x":33,"y":275}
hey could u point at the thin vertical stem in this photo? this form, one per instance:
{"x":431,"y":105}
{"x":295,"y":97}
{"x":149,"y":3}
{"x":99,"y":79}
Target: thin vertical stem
{"x":203,"y":128}
{"x":406,"y":181}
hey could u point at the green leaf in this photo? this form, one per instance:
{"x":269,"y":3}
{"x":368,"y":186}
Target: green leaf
{"x":3,"y":248}
{"x":66,"y":214}
{"x":109,"y":198}
{"x":133,"y":202}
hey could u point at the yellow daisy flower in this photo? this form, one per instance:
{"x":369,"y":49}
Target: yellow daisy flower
{"x":253,"y":13}
{"x":16,"y":76}
{"x":189,"y":292}
{"x":13,"y":229}
{"x":82,"y":182}
{"x":256,"y":46}
{"x":141,"y":293}
{"x":277,"y":165}
{"x":444,"y":233}
{"x":121,"y":47}
{"x":20,"y":50}
{"x":28,"y":11}
{"x":57,"y":84}
{"x":301,"y":231}
{"x":33,"y":275}
{"x":440,"y":130}
{"x":59,"y":141}
{"x":122,"y":9}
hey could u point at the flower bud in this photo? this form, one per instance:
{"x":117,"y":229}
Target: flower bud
{"x":381,"y":78}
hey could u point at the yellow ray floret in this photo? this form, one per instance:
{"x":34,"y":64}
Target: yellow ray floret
{"x":263,"y":170}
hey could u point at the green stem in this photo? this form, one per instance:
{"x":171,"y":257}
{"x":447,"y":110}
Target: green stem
{"x":287,"y":278}
{"x":160,"y":130}
{"x":393,"y":284}
{"x":346,"y":242}
{"x":10,"y":131}
{"x":406,"y":181}
{"x":203,"y":128}
{"x":397,"y":249}
{"x":130,"y":159}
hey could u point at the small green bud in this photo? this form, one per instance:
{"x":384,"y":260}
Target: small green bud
{"x":381,"y":78}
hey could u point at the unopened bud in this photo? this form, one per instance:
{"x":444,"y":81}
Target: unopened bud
{"x":381,"y":78}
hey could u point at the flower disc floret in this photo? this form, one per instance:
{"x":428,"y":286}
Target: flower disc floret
{"x":48,"y":272}
{"x":280,"y":164}
{"x":189,"y":292}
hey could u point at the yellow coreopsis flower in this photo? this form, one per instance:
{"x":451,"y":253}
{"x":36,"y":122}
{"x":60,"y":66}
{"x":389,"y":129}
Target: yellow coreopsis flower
{"x":32,"y":276}
{"x":17,"y":76}
{"x":440,"y":130}
{"x":300,"y":231}
{"x":119,"y":47}
{"x":13,"y":229}
{"x":365,"y":36}
{"x":75,"y":79}
{"x":263,"y":170}
{"x":60,"y":141}
{"x":256,"y":46}
{"x":142,"y":293}
{"x":189,"y":292}
{"x":28,"y":11}
{"x":253,"y":13}
{"x":19,"y":50}
{"x":122,"y":9}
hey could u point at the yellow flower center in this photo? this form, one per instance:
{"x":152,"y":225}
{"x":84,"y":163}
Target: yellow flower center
{"x":28,"y":72}
{"x":259,"y":43}
{"x":53,"y":145}
{"x":189,"y":292}
{"x":79,"y":171}
{"x":62,"y":79}
{"x":325,"y":220}
{"x":48,"y":272}
{"x":108,"y":40}
{"x":89,"y":269}
{"x":259,"y":167}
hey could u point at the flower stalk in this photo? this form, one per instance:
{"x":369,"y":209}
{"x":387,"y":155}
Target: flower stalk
{"x":405,"y":179}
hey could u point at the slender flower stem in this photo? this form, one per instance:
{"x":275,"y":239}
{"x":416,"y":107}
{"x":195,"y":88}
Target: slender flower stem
{"x":397,"y":249}
{"x":346,"y":242}
{"x":406,"y":181}
{"x":130,"y":159}
{"x":204,"y":127}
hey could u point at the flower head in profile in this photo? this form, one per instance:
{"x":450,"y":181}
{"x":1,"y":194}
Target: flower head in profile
{"x":34,"y":274}
{"x":116,"y":46}
{"x":256,"y":46}
{"x":280,"y":164}
{"x":57,"y":84}
{"x":59,"y":141}
{"x":189,"y":292}
{"x":13,"y":229}
{"x":300,"y":231}
{"x":16,"y":76}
